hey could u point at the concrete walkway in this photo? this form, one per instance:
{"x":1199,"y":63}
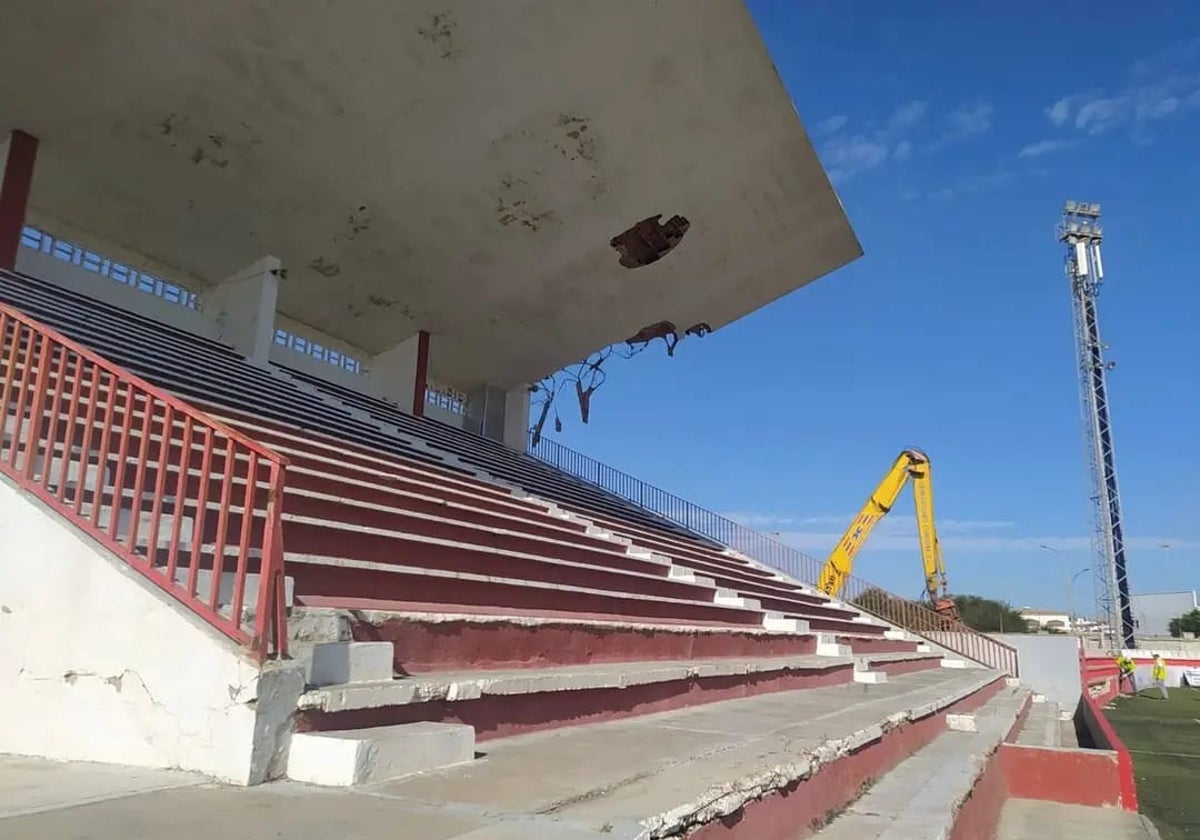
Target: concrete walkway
{"x":1024,"y":819}
{"x":1046,"y":727}
{"x":598,"y":781}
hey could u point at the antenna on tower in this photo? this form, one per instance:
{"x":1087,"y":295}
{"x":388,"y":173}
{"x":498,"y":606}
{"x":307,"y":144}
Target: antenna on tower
{"x":1079,"y":229}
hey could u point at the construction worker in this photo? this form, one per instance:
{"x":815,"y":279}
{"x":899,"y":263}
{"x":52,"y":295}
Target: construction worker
{"x":1125,"y":668}
{"x":1159,"y":674}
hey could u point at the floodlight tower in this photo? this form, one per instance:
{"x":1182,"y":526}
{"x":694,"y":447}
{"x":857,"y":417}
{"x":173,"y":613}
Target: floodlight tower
{"x":1079,"y":229}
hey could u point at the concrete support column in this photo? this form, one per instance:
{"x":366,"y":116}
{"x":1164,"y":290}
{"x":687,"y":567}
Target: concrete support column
{"x":18,"y":152}
{"x":243,"y":309}
{"x":401,"y":373}
{"x":500,"y":415}
{"x":516,"y":418}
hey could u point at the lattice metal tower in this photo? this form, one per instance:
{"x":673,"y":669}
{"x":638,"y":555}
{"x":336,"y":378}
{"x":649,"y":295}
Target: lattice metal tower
{"x":1079,"y":229}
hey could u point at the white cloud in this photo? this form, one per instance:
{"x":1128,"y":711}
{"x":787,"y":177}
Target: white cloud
{"x":967,"y":120}
{"x":832,"y":125}
{"x":1060,"y":111}
{"x":908,"y":115}
{"x":848,"y":153}
{"x":820,"y":543}
{"x":1046,"y":147}
{"x":898,"y":533}
{"x":973,"y":184}
{"x":1157,"y":88}
{"x":847,"y":156}
{"x":970,"y":120}
{"x":761,"y":521}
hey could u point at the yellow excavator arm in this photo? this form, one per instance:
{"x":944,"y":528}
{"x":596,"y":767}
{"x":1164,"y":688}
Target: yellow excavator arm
{"x":911,"y":464}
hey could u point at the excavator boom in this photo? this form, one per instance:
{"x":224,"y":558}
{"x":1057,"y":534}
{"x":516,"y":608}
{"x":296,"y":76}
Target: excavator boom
{"x":911,"y":464}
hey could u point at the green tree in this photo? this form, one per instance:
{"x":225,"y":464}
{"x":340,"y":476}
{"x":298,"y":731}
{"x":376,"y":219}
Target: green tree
{"x":988,"y":615}
{"x":1189,"y":622}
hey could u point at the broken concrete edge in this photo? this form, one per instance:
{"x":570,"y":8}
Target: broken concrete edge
{"x":384,"y":616}
{"x":456,"y":688}
{"x":723,"y":800}
{"x":278,"y":690}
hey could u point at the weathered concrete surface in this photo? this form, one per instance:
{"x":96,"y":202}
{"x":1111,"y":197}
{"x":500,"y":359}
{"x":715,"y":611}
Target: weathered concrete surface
{"x":1025,"y":819}
{"x":454,"y":686}
{"x":138,"y":680}
{"x":685,"y":768}
{"x":1045,"y":726}
{"x":637,"y":778}
{"x":33,"y":785}
{"x":920,"y":798}
{"x":388,"y":220}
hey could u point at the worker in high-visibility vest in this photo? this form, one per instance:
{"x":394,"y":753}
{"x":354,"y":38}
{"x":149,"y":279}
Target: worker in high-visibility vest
{"x":1159,"y":674}
{"x":1125,"y":668}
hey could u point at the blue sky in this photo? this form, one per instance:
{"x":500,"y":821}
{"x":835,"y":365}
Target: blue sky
{"x":954,"y":135}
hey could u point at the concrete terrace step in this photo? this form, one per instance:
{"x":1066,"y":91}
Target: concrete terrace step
{"x":921,"y":798}
{"x":507,"y":702}
{"x":533,"y":531}
{"x":1047,"y":725}
{"x":332,"y":581}
{"x":298,"y":444}
{"x":740,"y":761}
{"x":363,"y":756}
{"x":1024,"y":819}
{"x":453,"y":637}
{"x":620,"y":573}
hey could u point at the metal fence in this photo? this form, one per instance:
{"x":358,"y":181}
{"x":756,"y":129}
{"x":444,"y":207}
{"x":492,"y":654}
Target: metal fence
{"x":902,"y":612}
{"x":191,"y":504}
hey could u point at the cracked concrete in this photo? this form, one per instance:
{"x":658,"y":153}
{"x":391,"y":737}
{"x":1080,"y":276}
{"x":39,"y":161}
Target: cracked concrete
{"x":471,"y":685}
{"x":921,"y":797}
{"x":636,"y":779}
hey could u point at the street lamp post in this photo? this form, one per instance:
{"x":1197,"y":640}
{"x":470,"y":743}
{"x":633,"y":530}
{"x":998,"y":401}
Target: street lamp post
{"x":1071,"y":596}
{"x":1066,"y":576}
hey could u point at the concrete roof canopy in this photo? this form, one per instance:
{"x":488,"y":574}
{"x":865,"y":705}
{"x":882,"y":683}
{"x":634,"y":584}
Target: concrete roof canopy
{"x":453,"y":166}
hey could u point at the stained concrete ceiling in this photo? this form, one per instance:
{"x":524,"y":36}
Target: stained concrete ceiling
{"x":447,"y":165}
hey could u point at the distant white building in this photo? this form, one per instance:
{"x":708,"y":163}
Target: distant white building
{"x":1049,"y":621}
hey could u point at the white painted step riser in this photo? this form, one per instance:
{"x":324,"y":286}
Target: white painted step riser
{"x":870,"y":677}
{"x":365,"y":756}
{"x":729,"y":598}
{"x":780,"y":624}
{"x":338,"y":663}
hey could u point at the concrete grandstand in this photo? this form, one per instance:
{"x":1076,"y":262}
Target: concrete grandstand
{"x":272,"y":295}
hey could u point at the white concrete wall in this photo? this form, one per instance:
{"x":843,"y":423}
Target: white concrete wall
{"x":436,"y":412}
{"x":243,"y":308}
{"x":77,"y":279}
{"x":392,"y":374}
{"x":96,"y":664}
{"x":1049,"y":665}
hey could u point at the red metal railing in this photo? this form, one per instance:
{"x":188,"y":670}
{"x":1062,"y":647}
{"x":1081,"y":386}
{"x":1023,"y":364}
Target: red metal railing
{"x":191,"y":504}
